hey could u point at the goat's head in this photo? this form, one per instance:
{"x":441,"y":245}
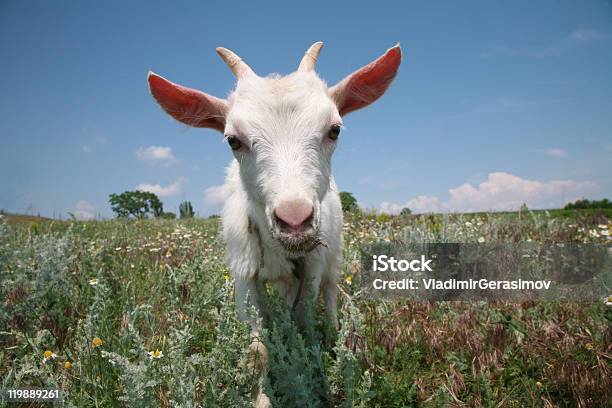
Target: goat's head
{"x":282,"y":130}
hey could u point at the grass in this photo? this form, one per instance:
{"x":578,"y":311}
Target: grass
{"x":142,"y":286}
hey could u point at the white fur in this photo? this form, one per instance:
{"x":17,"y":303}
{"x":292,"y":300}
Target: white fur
{"x":284,"y":121}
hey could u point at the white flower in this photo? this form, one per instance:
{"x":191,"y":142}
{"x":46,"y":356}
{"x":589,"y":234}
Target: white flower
{"x":608,"y":300}
{"x":481,"y":240}
{"x":93,"y":282}
{"x":594,"y":233}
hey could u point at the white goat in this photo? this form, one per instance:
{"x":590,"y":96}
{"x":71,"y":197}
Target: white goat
{"x":282,"y":220}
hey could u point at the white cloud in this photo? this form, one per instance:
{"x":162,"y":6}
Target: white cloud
{"x":95,"y":143}
{"x":587,"y":35}
{"x":501,"y":191}
{"x":156,"y":154}
{"x":161,"y":191}
{"x":573,"y":39}
{"x":84,"y":210}
{"x":555,"y":152}
{"x":215,"y":195}
{"x":419,"y":204}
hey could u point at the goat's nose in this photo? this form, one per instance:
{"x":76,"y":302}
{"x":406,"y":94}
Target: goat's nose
{"x":294,"y":214}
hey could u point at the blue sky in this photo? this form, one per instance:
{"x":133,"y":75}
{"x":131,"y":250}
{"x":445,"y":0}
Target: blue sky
{"x":496,"y":103}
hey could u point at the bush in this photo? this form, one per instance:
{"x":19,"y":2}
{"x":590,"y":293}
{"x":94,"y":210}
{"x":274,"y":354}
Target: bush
{"x":349,"y":202}
{"x":405,"y":212}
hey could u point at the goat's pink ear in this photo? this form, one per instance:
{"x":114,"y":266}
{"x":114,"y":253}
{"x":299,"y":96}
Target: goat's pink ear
{"x":190,"y":106}
{"x":367,"y":84}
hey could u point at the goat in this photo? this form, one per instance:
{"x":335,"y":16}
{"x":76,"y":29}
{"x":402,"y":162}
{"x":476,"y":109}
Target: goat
{"x":282,"y":218}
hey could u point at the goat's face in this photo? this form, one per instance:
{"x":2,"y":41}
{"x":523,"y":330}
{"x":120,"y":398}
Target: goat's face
{"x":282,"y":131}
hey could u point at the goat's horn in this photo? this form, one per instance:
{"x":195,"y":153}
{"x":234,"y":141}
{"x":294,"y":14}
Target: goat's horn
{"x":234,"y":62}
{"x":309,"y":60}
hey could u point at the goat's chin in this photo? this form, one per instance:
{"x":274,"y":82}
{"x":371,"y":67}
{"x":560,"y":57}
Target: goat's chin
{"x":297,"y":245}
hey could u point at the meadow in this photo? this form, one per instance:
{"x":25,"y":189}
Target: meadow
{"x":140,"y":313}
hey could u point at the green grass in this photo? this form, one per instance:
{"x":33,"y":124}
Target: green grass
{"x":162,"y":284}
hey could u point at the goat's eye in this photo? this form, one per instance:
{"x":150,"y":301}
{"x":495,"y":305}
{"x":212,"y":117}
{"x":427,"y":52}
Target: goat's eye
{"x":234,"y":142}
{"x":334,"y":132}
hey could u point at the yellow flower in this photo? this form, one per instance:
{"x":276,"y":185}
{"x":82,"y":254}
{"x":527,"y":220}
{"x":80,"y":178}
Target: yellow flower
{"x":67,"y":365}
{"x":97,"y":342}
{"x":349,"y":279}
{"x":157,"y":354}
{"x":538,"y":384}
{"x":588,"y":346}
{"x":48,"y":354}
{"x":226,"y":276}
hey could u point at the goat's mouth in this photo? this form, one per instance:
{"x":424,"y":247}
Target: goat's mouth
{"x":297,"y":240}
{"x":298,"y":244}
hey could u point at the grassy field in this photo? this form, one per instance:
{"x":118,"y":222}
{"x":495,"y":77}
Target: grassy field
{"x":140,"y":314}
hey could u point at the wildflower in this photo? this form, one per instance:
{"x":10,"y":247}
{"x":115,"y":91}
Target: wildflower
{"x":118,"y":249}
{"x":349,"y":279}
{"x":468,"y":224}
{"x":67,"y":365}
{"x":588,"y":346}
{"x":157,"y":354}
{"x":608,"y":300}
{"x":93,"y":282}
{"x":226,"y":276}
{"x":538,"y":384}
{"x":48,"y":355}
{"x":603,"y":226}
{"x":481,"y":240}
{"x":97,"y":342}
{"x":132,"y":266}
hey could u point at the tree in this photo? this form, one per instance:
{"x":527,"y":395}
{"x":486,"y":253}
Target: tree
{"x":349,"y":203}
{"x":405,"y":211}
{"x":584,"y":204}
{"x":186,"y":210}
{"x":136,"y":203}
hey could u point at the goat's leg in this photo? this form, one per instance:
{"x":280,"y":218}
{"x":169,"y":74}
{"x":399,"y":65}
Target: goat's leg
{"x":312,"y":271}
{"x":329,"y":289}
{"x":246,"y":300}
